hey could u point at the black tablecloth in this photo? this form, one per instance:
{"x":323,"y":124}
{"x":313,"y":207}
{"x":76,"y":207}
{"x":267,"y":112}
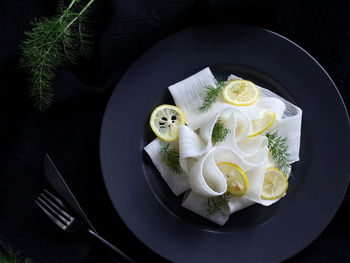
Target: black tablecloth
{"x":69,"y":130}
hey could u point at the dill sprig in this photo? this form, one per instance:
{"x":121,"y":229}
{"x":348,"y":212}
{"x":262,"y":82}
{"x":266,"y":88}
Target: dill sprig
{"x":279,"y":150}
{"x":53,"y":42}
{"x":211,"y":94}
{"x":214,"y":204}
{"x":170,"y":157}
{"x":219,"y":132}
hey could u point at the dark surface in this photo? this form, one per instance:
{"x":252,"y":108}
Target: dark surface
{"x":70,"y":129}
{"x":270,"y":61}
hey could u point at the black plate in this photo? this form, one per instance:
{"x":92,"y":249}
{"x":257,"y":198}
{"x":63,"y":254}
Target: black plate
{"x":150,"y":209}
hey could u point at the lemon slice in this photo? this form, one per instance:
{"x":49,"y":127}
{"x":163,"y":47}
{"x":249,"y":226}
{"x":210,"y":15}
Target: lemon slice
{"x":166,"y":120}
{"x":275,"y":184}
{"x":261,"y":125}
{"x":237,"y":183}
{"x":240,"y":92}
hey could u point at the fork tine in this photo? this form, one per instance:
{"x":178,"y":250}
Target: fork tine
{"x":55,"y":198}
{"x":56,"y":221}
{"x":58,"y":209}
{"x":52,"y":211}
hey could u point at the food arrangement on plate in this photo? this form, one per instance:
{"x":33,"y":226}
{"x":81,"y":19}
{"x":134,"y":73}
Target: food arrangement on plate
{"x":227,"y":144}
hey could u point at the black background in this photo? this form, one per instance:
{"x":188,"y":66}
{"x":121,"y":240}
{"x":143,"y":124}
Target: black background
{"x":69,"y":130}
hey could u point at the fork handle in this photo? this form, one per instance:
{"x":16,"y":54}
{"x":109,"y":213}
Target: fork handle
{"x":104,"y":241}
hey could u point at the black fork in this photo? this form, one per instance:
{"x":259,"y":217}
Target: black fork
{"x":58,"y":212}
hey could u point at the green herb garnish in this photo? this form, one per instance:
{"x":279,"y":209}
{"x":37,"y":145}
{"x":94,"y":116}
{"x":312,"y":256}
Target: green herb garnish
{"x":53,"y":42}
{"x":211,"y":95}
{"x":214,"y":204}
{"x":219,"y":132}
{"x":170,"y":157}
{"x":279,"y":151}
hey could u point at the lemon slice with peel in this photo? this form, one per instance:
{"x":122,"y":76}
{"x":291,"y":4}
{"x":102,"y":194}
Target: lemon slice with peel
{"x":262,"y":124}
{"x":237,"y":182}
{"x":240,"y":92}
{"x":166,"y":120}
{"x":275,"y":184}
